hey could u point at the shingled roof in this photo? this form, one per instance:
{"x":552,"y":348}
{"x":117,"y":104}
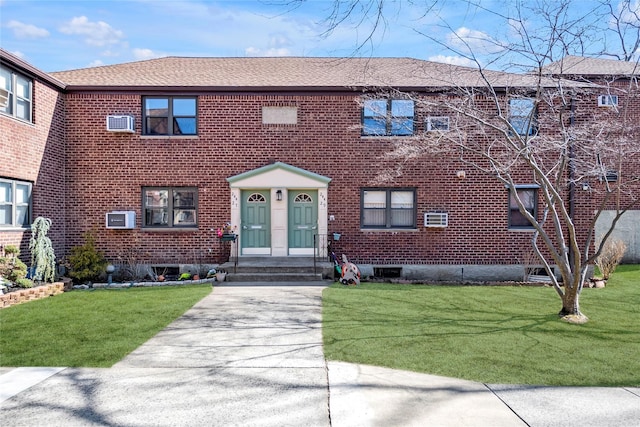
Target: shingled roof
{"x":584,"y":66}
{"x":215,"y":73}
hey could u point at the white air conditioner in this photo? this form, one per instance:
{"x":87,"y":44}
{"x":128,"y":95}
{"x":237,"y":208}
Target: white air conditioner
{"x":607,"y":100}
{"x":121,"y":219}
{"x":121,"y":124}
{"x":436,"y":219}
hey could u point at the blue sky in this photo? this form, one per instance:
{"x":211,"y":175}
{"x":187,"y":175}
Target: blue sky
{"x":63,"y":35}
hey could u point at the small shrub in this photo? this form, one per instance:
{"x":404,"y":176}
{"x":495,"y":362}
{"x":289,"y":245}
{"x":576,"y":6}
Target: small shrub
{"x":24,"y":283}
{"x":11,"y":267}
{"x":19,"y":270}
{"x":85,"y":261}
{"x":611,"y":255}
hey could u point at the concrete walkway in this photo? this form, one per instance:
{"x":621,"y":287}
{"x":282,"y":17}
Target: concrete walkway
{"x":252,"y":356}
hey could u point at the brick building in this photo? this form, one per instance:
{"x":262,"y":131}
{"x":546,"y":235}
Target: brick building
{"x":288,"y":151}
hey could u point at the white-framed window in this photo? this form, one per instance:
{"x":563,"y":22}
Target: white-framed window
{"x":18,"y":93}
{"x":387,"y":117}
{"x":523,"y":116}
{"x":607,"y":100}
{"x":440,"y":123}
{"x":168,"y":207}
{"x":388,"y":208}
{"x":15,"y":203}
{"x":528,"y":194}
{"x":170,"y":115}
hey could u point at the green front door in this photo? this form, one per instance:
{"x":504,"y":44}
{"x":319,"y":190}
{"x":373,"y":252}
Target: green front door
{"x":255,"y":235}
{"x":303,"y":221}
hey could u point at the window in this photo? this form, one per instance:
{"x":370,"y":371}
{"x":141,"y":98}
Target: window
{"x":607,"y":100}
{"x":387,"y":117}
{"x":388,"y":208}
{"x":170,"y":115}
{"x":529,"y":197}
{"x":15,"y":203}
{"x":522,"y":116}
{"x":437,"y":124}
{"x":170,"y":207}
{"x":18,"y":94}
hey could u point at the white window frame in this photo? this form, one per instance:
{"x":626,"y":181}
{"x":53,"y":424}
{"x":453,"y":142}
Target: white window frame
{"x":16,"y":99}
{"x":13,"y":205}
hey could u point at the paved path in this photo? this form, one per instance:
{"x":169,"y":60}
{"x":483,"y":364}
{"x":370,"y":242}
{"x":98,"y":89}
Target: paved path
{"x":252,"y":356}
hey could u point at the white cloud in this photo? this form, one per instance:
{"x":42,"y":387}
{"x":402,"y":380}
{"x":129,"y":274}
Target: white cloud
{"x":97,"y":33}
{"x":253,"y":51}
{"x":96,"y":63}
{"x":142,"y":54}
{"x":473,"y":41}
{"x":453,"y":60}
{"x":26,"y":31}
{"x":277,"y":45}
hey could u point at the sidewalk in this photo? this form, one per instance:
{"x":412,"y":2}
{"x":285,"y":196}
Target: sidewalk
{"x":252,"y":356}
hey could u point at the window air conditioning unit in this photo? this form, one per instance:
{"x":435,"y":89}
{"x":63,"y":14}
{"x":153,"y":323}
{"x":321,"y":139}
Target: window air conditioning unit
{"x":121,"y":220}
{"x":436,"y":219}
{"x":121,"y":124}
{"x":607,"y":100}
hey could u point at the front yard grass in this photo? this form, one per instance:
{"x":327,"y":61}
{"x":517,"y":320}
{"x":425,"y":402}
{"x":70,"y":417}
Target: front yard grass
{"x":505,"y":335}
{"x":90,"y":328}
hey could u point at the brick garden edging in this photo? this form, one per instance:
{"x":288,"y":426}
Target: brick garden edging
{"x":31,"y":294}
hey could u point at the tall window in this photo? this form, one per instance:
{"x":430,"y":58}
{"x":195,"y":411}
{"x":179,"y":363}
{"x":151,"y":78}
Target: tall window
{"x":529,"y":197}
{"x":170,"y":115}
{"x":15,"y":203}
{"x":16,"y":101}
{"x":388,"y":208}
{"x":170,"y":207}
{"x":387,"y":117}
{"x":522,"y":116}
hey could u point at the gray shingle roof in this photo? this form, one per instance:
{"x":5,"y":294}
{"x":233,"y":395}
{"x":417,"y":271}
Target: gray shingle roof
{"x":284,"y":72}
{"x":583,"y":66}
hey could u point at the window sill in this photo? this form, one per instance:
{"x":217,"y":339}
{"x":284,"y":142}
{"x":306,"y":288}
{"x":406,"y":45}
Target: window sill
{"x":9,"y":228}
{"x":530,"y":230}
{"x":170,"y":229}
{"x":386,"y":136}
{"x":166,"y":137}
{"x":389,"y":230}
{"x":18,"y":119}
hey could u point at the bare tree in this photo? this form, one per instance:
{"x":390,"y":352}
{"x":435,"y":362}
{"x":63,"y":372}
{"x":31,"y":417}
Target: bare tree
{"x":536,"y":125}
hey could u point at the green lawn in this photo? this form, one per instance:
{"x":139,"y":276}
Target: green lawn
{"x":506,"y":335}
{"x":90,"y":328}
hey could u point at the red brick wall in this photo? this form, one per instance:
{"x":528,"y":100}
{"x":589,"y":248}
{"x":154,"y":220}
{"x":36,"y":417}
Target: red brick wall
{"x":35,"y":152}
{"x":106,"y":171}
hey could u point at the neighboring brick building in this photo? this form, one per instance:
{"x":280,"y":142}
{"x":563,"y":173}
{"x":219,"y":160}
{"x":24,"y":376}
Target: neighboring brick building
{"x":286,"y":150}
{"x":32,"y":152}
{"x":617,"y":95}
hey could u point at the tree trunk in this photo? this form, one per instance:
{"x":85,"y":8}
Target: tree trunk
{"x":571,"y":302}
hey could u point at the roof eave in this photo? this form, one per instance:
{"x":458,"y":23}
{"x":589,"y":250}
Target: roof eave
{"x":29,"y":69}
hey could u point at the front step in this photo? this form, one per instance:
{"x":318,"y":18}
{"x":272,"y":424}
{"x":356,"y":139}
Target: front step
{"x":276,"y":269}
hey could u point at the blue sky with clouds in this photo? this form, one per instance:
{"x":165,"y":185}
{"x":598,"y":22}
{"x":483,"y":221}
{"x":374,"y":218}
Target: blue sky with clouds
{"x":62,"y":35}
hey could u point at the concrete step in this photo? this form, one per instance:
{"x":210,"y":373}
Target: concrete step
{"x":273,"y":277}
{"x":276,"y":269}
